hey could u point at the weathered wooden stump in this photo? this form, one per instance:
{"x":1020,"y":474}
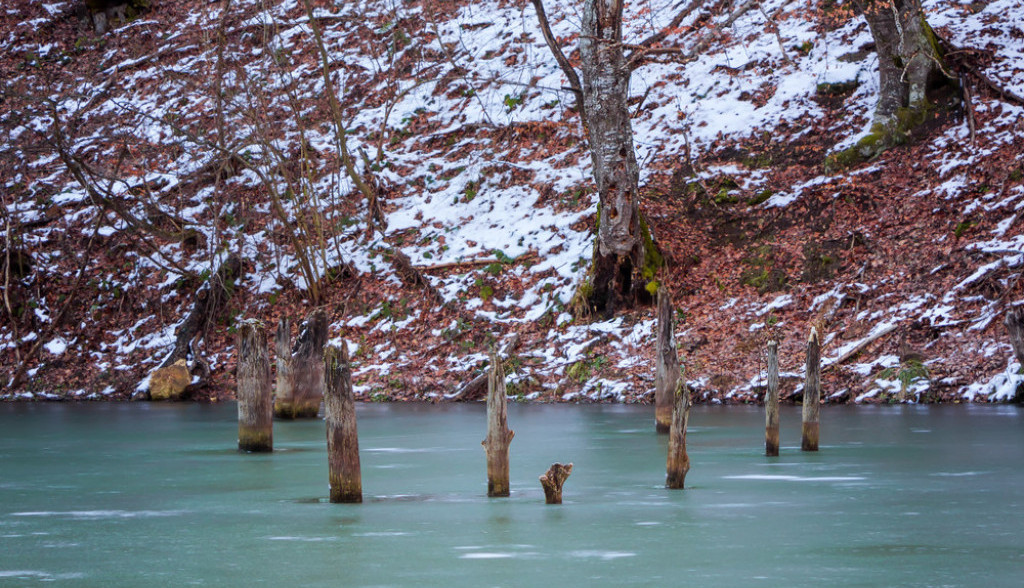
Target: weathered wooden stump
{"x":771,"y":402}
{"x":283,"y":349}
{"x":552,"y":481}
{"x":498,"y":434}
{"x":678,"y":461}
{"x":812,"y":393}
{"x":342,"y":434}
{"x":667,"y":366}
{"x":307,"y":370}
{"x":255,"y":405}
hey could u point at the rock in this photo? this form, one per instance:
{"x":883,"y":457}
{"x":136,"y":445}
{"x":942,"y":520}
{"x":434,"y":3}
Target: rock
{"x":169,"y":383}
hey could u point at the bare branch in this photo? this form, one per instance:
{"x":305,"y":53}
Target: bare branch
{"x":563,"y":61}
{"x":676,"y":20}
{"x":641,"y":53}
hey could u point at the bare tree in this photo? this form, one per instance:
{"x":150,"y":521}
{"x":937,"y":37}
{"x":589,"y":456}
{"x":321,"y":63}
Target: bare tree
{"x":626,"y":257}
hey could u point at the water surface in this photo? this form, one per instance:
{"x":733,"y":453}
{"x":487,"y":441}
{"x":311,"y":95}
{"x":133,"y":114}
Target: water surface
{"x":155,"y":494}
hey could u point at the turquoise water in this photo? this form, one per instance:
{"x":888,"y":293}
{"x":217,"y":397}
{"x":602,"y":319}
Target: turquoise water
{"x":156,"y":495}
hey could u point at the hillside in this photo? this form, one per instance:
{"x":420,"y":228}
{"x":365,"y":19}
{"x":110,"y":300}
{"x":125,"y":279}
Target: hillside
{"x":134,"y":163}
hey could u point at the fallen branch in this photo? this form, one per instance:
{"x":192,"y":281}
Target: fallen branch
{"x":478,"y":385}
{"x":856,"y":348}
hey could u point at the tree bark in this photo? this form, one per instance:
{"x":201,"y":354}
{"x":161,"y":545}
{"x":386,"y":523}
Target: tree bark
{"x":667,"y":367}
{"x":255,"y":406}
{"x":498,"y":434}
{"x":307,"y":373}
{"x":342,"y":434}
{"x":812,"y":393}
{"x":771,"y":402}
{"x":620,"y":252}
{"x":552,"y":482}
{"x":678,"y":463}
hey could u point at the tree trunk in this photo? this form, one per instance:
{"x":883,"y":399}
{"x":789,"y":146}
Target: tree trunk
{"x":620,"y":252}
{"x":255,"y":406}
{"x":498,"y":434}
{"x":771,"y":402}
{"x":678,"y":461}
{"x":307,"y":370}
{"x":812,"y":393}
{"x":667,"y":368}
{"x":208,"y":300}
{"x":553,"y":480}
{"x":342,"y":434}
{"x":910,"y":65}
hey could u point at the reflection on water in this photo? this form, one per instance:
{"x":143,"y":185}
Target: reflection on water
{"x":150,"y":494}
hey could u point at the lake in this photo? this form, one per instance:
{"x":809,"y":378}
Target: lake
{"x":147,"y":494}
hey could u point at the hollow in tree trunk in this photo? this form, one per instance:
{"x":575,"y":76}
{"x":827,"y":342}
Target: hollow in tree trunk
{"x":255,"y":405}
{"x":812,"y":393}
{"x":667,"y":364}
{"x":498,"y":434}
{"x":342,"y":434}
{"x":625,"y":257}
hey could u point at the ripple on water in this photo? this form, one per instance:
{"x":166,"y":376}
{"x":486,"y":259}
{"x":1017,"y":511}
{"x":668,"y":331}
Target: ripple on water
{"x":784,"y":478}
{"x":101,"y":514}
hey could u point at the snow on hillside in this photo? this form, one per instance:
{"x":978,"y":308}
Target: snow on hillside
{"x":459,"y":110}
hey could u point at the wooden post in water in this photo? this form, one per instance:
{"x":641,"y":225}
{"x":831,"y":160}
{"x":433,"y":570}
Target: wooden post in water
{"x":771,"y":402}
{"x":498,"y":434}
{"x":283,"y":347}
{"x":307,"y":370}
{"x":255,"y":405}
{"x":552,"y":481}
{"x":812,"y":393}
{"x":678,"y":461}
{"x":342,"y":434}
{"x":667,"y":364}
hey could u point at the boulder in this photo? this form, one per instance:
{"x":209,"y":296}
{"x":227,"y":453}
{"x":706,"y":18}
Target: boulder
{"x":169,"y":383}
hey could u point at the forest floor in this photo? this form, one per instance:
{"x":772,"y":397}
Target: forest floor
{"x":190,"y":148}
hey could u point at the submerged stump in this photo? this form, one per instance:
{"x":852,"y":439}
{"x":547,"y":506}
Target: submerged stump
{"x":667,"y":367}
{"x":342,"y":434}
{"x":498,"y":434}
{"x":306,"y":376}
{"x":283,"y":349}
{"x":552,"y":482}
{"x":771,"y":402}
{"x":812,"y":393}
{"x":255,"y":405}
{"x":678,"y":461}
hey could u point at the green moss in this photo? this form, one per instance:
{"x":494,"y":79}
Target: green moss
{"x":653,"y":260}
{"x":837,"y":89}
{"x":962,"y":227}
{"x":760,"y":198}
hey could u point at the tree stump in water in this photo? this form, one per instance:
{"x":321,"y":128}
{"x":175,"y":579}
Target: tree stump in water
{"x":498,"y":434}
{"x":552,"y":481}
{"x":283,"y":349}
{"x":255,"y":405}
{"x":342,"y":434}
{"x":307,"y":370}
{"x":771,"y":402}
{"x":678,"y":461}
{"x":667,"y":366}
{"x":812,"y":393}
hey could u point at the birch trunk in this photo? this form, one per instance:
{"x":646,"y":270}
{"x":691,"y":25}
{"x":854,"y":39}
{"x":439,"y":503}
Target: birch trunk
{"x":498,"y":434}
{"x":342,"y":434}
{"x":667,"y":367}
{"x":812,"y":394}
{"x":255,"y":406}
{"x":771,"y":402}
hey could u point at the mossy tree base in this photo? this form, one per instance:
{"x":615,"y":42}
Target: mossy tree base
{"x":883,"y":136}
